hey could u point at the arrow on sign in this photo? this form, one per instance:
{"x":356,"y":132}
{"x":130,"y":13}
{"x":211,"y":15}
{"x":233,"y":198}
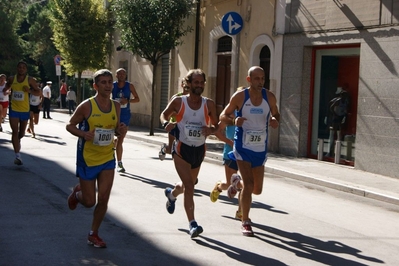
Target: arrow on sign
{"x":232,"y":24}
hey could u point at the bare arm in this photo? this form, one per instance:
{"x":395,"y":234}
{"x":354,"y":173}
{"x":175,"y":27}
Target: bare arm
{"x":214,"y":119}
{"x":275,"y":117}
{"x":7,"y":88}
{"x":136,"y":98}
{"x":80,"y":114}
{"x":171,"y":109}
{"x":34,"y":87}
{"x":227,"y":115}
{"x":221,"y":135}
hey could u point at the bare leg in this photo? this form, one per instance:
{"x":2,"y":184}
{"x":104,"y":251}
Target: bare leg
{"x":31,"y":125}
{"x":104,"y":181}
{"x":18,"y":132}
{"x":119,"y":147}
{"x":188,"y":176}
{"x":168,"y":148}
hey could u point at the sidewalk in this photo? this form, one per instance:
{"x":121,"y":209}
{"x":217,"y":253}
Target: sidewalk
{"x":335,"y":176}
{"x":340,"y":177}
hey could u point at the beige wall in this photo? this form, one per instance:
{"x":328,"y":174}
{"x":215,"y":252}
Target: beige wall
{"x":258,"y":17}
{"x":257,"y":31}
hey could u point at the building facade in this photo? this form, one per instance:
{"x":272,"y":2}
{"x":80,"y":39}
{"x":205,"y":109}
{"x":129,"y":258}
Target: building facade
{"x":310,"y":50}
{"x":334,"y":45}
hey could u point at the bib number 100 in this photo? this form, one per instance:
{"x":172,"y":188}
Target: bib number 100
{"x":103,"y":137}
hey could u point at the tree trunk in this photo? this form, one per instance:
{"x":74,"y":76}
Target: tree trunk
{"x":153,"y":90}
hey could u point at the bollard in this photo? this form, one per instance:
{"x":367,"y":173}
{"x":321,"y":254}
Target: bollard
{"x":337,"y":151}
{"x":320,"y":150}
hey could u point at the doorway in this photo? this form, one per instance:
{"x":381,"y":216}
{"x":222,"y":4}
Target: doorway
{"x":223,"y":82}
{"x":335,"y":70}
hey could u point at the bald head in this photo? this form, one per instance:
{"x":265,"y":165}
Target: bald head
{"x":253,"y":69}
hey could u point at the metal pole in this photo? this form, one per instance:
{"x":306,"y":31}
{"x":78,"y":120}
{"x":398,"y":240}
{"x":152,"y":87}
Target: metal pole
{"x":320,"y":150}
{"x":337,"y":151}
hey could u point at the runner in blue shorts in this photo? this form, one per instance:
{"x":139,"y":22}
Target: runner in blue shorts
{"x":19,"y":87}
{"x":95,"y":122}
{"x":256,"y":110}
{"x":122,"y":92}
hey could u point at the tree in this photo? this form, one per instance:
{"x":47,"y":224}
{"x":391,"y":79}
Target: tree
{"x":10,"y":49}
{"x":150,"y":29}
{"x":81,"y":34}
{"x":38,"y":42}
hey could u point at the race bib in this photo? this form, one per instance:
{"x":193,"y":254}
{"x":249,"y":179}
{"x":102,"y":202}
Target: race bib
{"x":193,"y":133}
{"x":18,"y":95}
{"x":119,"y":101}
{"x":103,"y":137}
{"x":34,"y":101}
{"x":255,"y":137}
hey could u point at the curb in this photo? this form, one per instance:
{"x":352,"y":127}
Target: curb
{"x":214,"y":157}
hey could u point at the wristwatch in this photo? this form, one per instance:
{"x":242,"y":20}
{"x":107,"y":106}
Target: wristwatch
{"x":165,"y":124}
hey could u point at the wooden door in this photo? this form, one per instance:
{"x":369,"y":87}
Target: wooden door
{"x":223,"y":82}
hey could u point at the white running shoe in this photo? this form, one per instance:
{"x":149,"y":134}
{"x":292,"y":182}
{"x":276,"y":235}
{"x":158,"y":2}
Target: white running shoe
{"x":162,"y":152}
{"x":232,"y":190}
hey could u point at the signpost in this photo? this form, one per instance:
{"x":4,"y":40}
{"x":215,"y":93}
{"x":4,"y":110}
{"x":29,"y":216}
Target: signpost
{"x":86,"y":74}
{"x":57,"y":62}
{"x":232,"y":23}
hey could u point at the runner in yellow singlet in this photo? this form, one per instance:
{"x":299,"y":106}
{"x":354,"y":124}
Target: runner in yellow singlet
{"x":19,"y":87}
{"x":96,"y":121}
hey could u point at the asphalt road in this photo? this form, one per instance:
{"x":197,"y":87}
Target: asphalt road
{"x":295,"y":223}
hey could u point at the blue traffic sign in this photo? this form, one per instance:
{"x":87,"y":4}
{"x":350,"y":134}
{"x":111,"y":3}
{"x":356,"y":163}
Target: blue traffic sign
{"x":232,"y":23}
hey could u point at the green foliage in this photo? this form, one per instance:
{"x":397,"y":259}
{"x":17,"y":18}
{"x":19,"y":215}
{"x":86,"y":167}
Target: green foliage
{"x":10,"y":51}
{"x":151,"y":28}
{"x":41,"y":47}
{"x":81,"y":33}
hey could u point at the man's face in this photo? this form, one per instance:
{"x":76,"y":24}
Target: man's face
{"x":22,"y":69}
{"x":197,"y":84}
{"x":121,"y":75}
{"x":104,"y":85}
{"x":257,"y":79}
{"x":2,"y":80}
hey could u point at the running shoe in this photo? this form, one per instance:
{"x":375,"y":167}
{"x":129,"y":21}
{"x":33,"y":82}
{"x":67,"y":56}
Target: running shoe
{"x":18,"y":161}
{"x":195,"y":229}
{"x":232,"y":190}
{"x":170,"y":204}
{"x":215,"y":192}
{"x":72,"y":200}
{"x":246,"y":228}
{"x":121,"y":169}
{"x":162,"y":152}
{"x":96,"y":241}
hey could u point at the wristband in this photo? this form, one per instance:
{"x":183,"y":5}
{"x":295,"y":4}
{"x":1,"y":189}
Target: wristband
{"x":165,"y":124}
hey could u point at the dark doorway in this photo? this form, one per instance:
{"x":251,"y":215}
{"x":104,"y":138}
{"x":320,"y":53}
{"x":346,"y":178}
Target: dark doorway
{"x":264,"y":59}
{"x":223,"y":82}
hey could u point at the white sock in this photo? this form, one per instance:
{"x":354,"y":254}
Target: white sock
{"x":171,"y":197}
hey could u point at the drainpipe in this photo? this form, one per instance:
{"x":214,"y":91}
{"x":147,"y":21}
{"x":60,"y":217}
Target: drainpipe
{"x":197,"y":29}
